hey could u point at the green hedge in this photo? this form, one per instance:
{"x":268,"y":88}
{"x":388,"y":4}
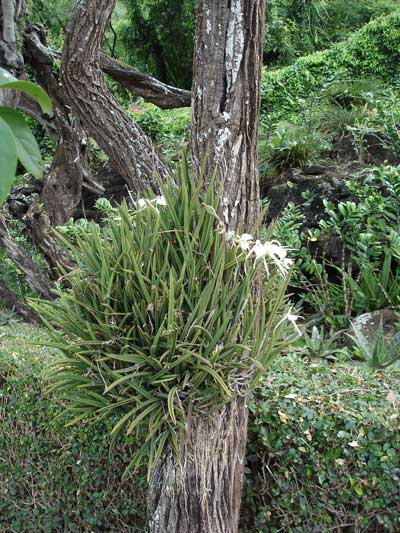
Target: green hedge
{"x":324,"y":449}
{"x":55,"y":478}
{"x":372,"y":51}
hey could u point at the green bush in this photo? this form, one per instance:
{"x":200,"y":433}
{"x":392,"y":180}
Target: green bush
{"x":372,"y":51}
{"x":287,"y":146}
{"x":305,"y":415}
{"x":55,"y":478}
{"x":324,"y":450}
{"x":319,"y":87}
{"x":169,"y":129}
{"x":366,"y":230}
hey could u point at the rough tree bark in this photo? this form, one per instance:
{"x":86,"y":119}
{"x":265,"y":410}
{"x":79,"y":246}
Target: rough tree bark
{"x":36,"y":279}
{"x":10,"y":57}
{"x":69,"y":172}
{"x":10,"y":301}
{"x":128,"y":148}
{"x":202,"y":493}
{"x":136,"y":82}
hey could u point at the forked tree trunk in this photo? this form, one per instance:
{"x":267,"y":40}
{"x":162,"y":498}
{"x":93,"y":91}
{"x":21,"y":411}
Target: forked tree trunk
{"x":201,"y":493}
{"x":129,"y":149}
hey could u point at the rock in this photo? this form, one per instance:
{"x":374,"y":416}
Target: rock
{"x":368,"y":324}
{"x":297,"y":186}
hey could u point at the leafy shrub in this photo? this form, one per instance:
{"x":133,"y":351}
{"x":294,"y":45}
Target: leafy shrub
{"x":379,"y":353}
{"x":288,"y":146}
{"x":324,"y":450}
{"x":169,"y":129}
{"x":367,"y":275}
{"x":318,"y":345}
{"x":160,"y":317}
{"x":371,"y":223}
{"x":354,"y":292}
{"x":372,"y":51}
{"x":52,"y":477}
{"x":158,"y":34}
{"x":62,"y":478}
{"x":299,"y":27}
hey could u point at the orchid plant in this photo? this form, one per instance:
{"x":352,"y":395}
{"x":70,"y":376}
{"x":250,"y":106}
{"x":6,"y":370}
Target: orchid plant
{"x":161,"y":317}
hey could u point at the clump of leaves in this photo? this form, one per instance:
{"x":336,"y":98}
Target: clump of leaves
{"x":318,"y":345}
{"x":161,"y":319}
{"x":288,"y":146}
{"x":16,"y":140}
{"x":377,"y":353}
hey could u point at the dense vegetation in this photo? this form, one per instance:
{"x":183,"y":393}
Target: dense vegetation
{"x":324,"y":445}
{"x":323,"y":451}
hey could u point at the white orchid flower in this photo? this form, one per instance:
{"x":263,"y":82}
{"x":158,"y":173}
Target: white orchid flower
{"x":293,"y":320}
{"x":160,"y":200}
{"x":259,"y":250}
{"x":245,"y":241}
{"x":273,"y":249}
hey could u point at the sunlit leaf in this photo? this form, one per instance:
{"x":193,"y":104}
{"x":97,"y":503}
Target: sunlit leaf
{"x":37,"y":93}
{"x":27,"y":148}
{"x":8,"y":160}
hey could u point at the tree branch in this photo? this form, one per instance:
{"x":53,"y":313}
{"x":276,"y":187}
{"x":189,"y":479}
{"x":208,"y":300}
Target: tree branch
{"x":35,"y":278}
{"x":140,"y":84}
{"x":136,"y":82}
{"x":11,"y":302}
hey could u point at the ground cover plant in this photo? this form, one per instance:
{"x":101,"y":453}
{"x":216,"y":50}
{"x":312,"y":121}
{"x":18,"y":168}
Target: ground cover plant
{"x":320,"y":434}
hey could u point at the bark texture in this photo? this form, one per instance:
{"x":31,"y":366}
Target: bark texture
{"x":226,"y":102}
{"x":69,"y":173}
{"x":36,"y":279}
{"x":11,"y":302}
{"x":130,"y":151}
{"x":10,"y":58}
{"x":201,"y":492}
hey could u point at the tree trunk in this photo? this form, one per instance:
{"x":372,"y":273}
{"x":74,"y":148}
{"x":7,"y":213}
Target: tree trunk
{"x":11,"y":302}
{"x":201,"y":492}
{"x":226,"y":102}
{"x":130,"y":151}
{"x":36,"y":279}
{"x":69,"y":173}
{"x":10,"y":58}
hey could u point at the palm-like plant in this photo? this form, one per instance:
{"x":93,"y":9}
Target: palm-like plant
{"x":161,"y":319}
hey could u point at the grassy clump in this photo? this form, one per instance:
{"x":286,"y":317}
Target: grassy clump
{"x":160,"y":321}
